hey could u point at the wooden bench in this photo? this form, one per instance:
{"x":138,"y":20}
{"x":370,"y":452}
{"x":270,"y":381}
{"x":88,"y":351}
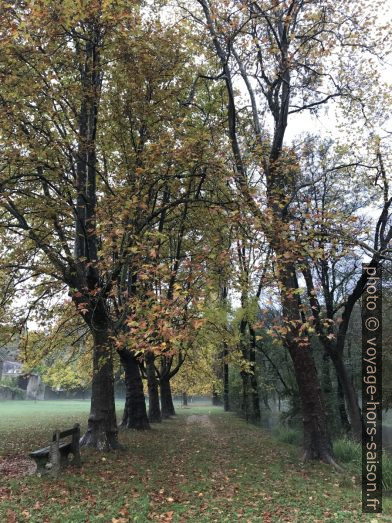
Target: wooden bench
{"x":56,"y":456}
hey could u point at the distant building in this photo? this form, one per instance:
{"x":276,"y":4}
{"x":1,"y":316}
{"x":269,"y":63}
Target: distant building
{"x":10,"y":367}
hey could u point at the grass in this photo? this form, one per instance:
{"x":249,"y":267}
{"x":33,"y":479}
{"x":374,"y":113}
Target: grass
{"x":349,"y":453}
{"x":288,"y":435}
{"x":202,"y":466}
{"x":27,"y":424}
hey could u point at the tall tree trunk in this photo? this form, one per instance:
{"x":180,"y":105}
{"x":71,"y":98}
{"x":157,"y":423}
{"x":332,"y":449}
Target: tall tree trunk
{"x":167,"y":405}
{"x":245,"y":394}
{"x":154,"y":409}
{"x":225,"y":353}
{"x":135,"y":413}
{"x":102,"y":431}
{"x":184,"y":399}
{"x":335,"y":350}
{"x":328,"y":393}
{"x":342,"y":409}
{"x":245,"y":377}
{"x":216,"y":399}
{"x":317,"y":443}
{"x":226,"y":401}
{"x":256,"y":414}
{"x":350,"y":395}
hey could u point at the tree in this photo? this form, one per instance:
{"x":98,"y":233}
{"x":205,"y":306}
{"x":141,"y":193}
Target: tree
{"x":329,"y":256}
{"x":97,"y":146}
{"x":49,"y":176}
{"x":282,"y":52}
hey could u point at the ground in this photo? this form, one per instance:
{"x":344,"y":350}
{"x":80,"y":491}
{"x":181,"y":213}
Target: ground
{"x":202,"y":466}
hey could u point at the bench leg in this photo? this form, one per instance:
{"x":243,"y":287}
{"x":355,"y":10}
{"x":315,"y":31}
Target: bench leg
{"x":77,"y":460}
{"x":55,"y":459}
{"x":76,"y":447}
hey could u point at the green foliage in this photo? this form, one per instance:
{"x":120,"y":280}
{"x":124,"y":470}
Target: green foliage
{"x":61,"y":355}
{"x":347,"y":451}
{"x":288,"y":435}
{"x":387,"y":472}
{"x":9,"y":385}
{"x":350,"y":454}
{"x":8,"y":382}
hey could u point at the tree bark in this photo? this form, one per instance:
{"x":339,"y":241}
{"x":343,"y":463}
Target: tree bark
{"x":255,"y":398}
{"x":216,"y":399}
{"x":102,"y":433}
{"x":154,"y":409}
{"x":226,"y":401}
{"x":256,"y":414}
{"x":225,"y":353}
{"x":342,"y":409}
{"x":135,"y":413}
{"x":350,"y":395}
{"x":245,"y":394}
{"x":244,"y":347}
{"x":327,"y":388}
{"x":335,"y":349}
{"x":316,"y":442}
{"x":167,"y":406}
{"x":184,"y":399}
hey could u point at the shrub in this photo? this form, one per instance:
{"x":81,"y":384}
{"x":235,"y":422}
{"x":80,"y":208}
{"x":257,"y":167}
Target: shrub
{"x":288,"y":435}
{"x":350,"y":453}
{"x":8,"y":388}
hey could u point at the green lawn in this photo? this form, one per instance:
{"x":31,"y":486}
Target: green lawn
{"x":27,"y":424}
{"x":202,"y":466}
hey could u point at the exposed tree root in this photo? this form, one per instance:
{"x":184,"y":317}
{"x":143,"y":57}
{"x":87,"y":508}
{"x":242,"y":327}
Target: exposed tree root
{"x":325,"y":457}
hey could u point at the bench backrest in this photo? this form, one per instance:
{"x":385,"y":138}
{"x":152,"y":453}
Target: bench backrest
{"x":70,"y":432}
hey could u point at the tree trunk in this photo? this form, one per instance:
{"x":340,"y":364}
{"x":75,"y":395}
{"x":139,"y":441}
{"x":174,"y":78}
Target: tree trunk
{"x":328,"y":393}
{"x":245,"y":394}
{"x":342,"y":409}
{"x":354,"y":412}
{"x":135,"y":413}
{"x":226,"y":402}
{"x":335,"y":352}
{"x":216,"y":399}
{"x":154,"y":409}
{"x":225,"y":354}
{"x":317,"y":443}
{"x":256,"y":415}
{"x":184,"y":399}
{"x":102,"y":433}
{"x":167,"y":405}
{"x":245,"y":378}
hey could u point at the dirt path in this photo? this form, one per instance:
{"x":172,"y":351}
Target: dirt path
{"x":203,"y":420}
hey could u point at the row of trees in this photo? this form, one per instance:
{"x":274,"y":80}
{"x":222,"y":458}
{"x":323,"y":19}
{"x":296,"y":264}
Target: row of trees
{"x":147,"y":185}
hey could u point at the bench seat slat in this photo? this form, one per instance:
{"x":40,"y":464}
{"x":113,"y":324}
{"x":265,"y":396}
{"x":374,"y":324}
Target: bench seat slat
{"x":45,"y":452}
